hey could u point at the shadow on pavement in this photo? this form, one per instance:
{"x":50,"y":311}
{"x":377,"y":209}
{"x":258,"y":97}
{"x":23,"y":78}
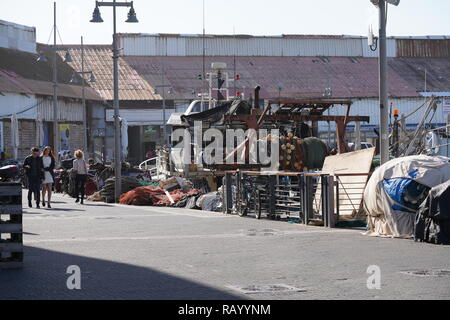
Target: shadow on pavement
{"x":44,"y":277}
{"x":62,"y":209}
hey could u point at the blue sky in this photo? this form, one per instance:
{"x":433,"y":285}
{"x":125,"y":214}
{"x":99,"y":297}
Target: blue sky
{"x":256,"y":17}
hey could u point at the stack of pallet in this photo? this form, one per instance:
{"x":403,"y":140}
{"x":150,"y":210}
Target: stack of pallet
{"x":11,"y":245}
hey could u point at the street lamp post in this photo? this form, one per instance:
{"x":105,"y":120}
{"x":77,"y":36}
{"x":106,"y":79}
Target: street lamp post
{"x":384,"y":140}
{"x":43,"y":58}
{"x":96,"y":18}
{"x":383,"y":69}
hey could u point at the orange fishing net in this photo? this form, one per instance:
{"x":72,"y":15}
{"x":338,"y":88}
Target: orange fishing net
{"x":154,"y":196}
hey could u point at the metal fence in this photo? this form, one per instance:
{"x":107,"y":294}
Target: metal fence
{"x":309,"y":197}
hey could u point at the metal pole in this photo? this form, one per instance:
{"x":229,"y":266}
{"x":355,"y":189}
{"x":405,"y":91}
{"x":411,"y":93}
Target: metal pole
{"x":203,"y":60}
{"x":395,"y":140}
{"x":117,"y":140}
{"x":83,"y":95}
{"x":357,"y":135}
{"x":56,"y":137}
{"x":384,"y":112}
{"x":164,"y":99}
{"x":425,"y":80}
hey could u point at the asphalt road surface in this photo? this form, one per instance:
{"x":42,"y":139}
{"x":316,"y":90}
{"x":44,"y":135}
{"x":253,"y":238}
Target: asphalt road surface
{"x":126,"y":252}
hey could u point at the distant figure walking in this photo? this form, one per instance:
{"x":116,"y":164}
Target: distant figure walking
{"x":48,"y":160}
{"x":34,"y":169}
{"x":81,"y":170}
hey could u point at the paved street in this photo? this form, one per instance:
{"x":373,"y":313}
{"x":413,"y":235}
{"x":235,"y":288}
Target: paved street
{"x":164,"y":253}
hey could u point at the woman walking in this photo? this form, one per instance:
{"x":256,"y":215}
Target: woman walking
{"x":81,"y":170}
{"x":48,"y":160}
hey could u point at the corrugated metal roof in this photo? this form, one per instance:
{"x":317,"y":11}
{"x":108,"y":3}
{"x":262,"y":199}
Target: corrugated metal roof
{"x":10,"y":82}
{"x":21,"y":73}
{"x":300,"y":77}
{"x":412,"y":70}
{"x":98,"y":58}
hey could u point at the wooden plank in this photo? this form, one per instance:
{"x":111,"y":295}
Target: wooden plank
{"x":351,"y":170}
{"x":169,"y":196}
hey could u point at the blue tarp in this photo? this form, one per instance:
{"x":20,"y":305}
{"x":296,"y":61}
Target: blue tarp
{"x":398,"y":188}
{"x":394,"y":188}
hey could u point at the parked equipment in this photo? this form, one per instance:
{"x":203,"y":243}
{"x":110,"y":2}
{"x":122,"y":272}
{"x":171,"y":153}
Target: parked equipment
{"x":433,"y":218}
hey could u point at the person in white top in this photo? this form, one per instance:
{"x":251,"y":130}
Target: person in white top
{"x":81,"y":169}
{"x":48,"y":160}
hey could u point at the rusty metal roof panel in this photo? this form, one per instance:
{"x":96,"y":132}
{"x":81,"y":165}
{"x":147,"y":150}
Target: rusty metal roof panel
{"x":99,"y":60}
{"x":413,"y":72}
{"x":21,"y":73}
{"x":299,"y":77}
{"x":423,"y":48}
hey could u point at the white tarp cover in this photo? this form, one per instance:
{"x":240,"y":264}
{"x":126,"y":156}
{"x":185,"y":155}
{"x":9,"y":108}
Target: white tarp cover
{"x":382,"y":219}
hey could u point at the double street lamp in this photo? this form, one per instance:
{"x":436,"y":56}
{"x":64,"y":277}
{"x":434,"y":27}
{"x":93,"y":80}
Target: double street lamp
{"x":42,"y":58}
{"x":383,"y":69}
{"x":81,"y":74}
{"x":97,"y":18}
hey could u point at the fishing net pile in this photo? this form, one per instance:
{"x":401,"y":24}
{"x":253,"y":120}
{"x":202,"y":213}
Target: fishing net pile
{"x":108,"y":191}
{"x":155,"y":196}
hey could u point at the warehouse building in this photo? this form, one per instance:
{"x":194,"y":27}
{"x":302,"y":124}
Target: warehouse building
{"x":157,"y":68}
{"x":26,"y":99}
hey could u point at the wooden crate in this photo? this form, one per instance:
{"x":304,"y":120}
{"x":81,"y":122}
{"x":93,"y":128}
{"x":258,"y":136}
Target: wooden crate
{"x":11,"y":228}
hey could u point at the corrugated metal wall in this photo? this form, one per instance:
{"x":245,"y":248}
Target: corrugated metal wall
{"x":15,"y":36}
{"x":423,"y":48}
{"x":69,"y":111}
{"x":368,"y":53}
{"x":160,"y":45}
{"x":192,"y":45}
{"x":141,"y":117}
{"x":18,"y":103}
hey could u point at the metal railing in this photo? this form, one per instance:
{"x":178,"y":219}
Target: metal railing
{"x":279,"y":194}
{"x":310,"y":197}
{"x":157,"y":170}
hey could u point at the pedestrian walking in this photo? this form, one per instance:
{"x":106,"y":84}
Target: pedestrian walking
{"x":81,"y":170}
{"x":48,"y":160}
{"x":34,"y":169}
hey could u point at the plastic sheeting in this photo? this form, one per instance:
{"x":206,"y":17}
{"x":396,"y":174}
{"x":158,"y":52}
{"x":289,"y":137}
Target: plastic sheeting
{"x":387,"y":217}
{"x":433,"y":218}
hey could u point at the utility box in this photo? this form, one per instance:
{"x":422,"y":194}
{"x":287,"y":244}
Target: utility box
{"x":11,"y":232}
